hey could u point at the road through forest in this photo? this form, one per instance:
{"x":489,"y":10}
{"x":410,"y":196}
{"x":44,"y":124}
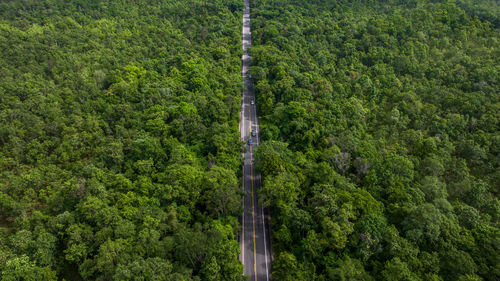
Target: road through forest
{"x":255,"y":243}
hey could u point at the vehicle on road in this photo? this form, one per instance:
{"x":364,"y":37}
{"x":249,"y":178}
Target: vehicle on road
{"x":254,"y":133}
{"x":252,"y":102}
{"x":250,"y":141}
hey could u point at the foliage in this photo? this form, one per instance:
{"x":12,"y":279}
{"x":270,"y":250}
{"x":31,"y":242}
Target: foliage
{"x":119,"y":143}
{"x":380,"y":137}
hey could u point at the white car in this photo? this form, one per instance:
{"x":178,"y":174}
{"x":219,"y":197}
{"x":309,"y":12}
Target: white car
{"x":252,"y":102}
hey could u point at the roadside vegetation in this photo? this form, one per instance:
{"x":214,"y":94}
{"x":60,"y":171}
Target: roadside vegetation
{"x":119,"y":143}
{"x":380,"y":127}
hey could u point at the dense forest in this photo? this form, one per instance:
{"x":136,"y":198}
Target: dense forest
{"x":381,"y":144}
{"x":120,"y":154}
{"x":119,"y":142}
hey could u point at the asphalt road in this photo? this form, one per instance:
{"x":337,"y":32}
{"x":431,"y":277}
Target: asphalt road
{"x":255,"y":243}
